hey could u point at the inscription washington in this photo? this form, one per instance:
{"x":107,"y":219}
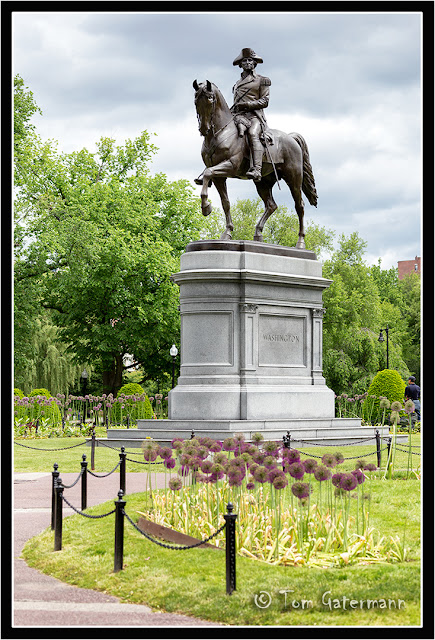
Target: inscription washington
{"x":280,"y":337}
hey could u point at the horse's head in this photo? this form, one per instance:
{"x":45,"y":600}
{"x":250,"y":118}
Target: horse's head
{"x":205,"y":102}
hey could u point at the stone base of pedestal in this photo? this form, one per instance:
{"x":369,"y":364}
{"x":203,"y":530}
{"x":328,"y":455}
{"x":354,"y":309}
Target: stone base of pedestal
{"x":303,"y":432}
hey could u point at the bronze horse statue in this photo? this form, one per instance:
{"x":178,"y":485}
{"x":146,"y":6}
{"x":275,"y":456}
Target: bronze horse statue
{"x":226,"y":155}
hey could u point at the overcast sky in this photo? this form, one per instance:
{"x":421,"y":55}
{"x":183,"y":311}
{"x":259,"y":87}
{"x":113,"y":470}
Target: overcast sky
{"x":349,"y":83}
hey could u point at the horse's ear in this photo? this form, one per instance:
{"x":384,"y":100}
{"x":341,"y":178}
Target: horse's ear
{"x":208,"y":85}
{"x":195,"y":85}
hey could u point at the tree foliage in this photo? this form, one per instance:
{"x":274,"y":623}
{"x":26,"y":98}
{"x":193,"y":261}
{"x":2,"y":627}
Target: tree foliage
{"x":97,"y":239}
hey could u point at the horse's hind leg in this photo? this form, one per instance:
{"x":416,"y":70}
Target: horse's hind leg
{"x":221,"y":186}
{"x":264,"y":189}
{"x":295,"y":185}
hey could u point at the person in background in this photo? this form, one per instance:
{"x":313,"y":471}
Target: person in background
{"x":412,"y":392}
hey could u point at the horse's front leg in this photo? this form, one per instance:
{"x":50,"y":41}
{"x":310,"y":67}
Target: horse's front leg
{"x":221,"y":186}
{"x":221,"y":170}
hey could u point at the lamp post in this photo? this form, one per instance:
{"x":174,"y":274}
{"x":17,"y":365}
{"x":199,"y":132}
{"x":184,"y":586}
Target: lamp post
{"x":84,"y":382}
{"x":174,"y":352}
{"x":381,"y":339}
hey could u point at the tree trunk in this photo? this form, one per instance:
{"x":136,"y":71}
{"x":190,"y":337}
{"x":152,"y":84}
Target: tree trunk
{"x":112,"y":378}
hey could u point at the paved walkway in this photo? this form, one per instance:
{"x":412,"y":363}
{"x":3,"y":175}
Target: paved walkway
{"x":40,"y":600}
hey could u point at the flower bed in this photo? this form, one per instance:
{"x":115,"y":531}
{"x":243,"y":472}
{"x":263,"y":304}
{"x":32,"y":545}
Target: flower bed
{"x":291,"y":511}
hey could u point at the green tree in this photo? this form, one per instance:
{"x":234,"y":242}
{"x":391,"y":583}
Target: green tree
{"x":282,"y":227}
{"x":354,"y":315}
{"x":97,"y":240}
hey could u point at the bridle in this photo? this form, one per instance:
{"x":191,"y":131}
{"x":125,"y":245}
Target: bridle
{"x":208,"y":92}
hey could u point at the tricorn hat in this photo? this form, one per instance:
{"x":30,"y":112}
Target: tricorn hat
{"x":247,"y":53}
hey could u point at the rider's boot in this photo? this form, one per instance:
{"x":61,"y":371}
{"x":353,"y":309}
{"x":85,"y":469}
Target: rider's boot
{"x":257,"y":160}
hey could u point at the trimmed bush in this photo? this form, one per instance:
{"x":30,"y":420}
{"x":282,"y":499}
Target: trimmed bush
{"x":19,"y":393}
{"x":131,"y":401}
{"x":388,"y":384}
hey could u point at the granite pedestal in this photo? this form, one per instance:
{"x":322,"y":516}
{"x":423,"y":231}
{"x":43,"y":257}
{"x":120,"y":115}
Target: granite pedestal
{"x":251,"y":345}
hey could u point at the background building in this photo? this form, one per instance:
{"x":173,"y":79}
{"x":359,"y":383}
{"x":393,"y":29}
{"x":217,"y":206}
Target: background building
{"x":409,"y":266}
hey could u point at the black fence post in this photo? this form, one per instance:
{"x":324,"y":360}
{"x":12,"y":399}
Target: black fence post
{"x":58,"y":523}
{"x":122,"y":456}
{"x":93,"y":450}
{"x":378,"y":448}
{"x":192,"y":435}
{"x":230,"y":548}
{"x":54,"y":475}
{"x":119,"y":532}
{"x":84,"y":466}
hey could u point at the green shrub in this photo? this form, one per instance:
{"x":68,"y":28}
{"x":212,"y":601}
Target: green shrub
{"x":131,"y":401}
{"x":18,"y":392}
{"x":387,"y":384}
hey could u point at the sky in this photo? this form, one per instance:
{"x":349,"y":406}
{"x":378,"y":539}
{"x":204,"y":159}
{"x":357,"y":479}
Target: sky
{"x":349,"y":82}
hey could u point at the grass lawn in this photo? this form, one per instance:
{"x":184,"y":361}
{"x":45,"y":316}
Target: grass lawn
{"x":193,"y":581}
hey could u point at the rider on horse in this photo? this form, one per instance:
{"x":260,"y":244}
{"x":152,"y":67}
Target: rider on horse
{"x":251,"y":96}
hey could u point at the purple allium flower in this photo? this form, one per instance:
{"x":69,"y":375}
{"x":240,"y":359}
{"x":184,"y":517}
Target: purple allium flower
{"x":360,"y":464}
{"x":339,"y":457}
{"x":322,"y":473}
{"x":359,"y":475}
{"x":348,"y":482}
{"x":202,"y":452}
{"x":216,"y":446}
{"x":291,"y":455}
{"x":220,"y":457}
{"x":269,"y":462}
{"x":194,"y":463}
{"x":229,"y":444}
{"x":280,"y":482}
{"x":239,"y":438}
{"x":396,"y":406}
{"x":250,"y":486}
{"x":217,"y":469}
{"x":175,"y":484}
{"x":261,"y":474}
{"x":296,"y":470}
{"x":206,"y":466}
{"x":165,"y":452}
{"x":301,"y":490}
{"x":235,"y":478}
{"x":246,"y":457}
{"x":169,"y":463}
{"x":259,"y":457}
{"x":184,"y":459}
{"x":329,"y":460}
{"x":237,"y":462}
{"x":150,"y":451}
{"x":271,"y":448}
{"x":384,"y":403}
{"x":336,"y":478}
{"x":257,"y":437}
{"x":409,"y":406}
{"x":275,"y":473}
{"x":310,"y":465}
{"x":370,"y":467}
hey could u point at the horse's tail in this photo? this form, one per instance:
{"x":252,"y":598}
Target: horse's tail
{"x":308,"y":185}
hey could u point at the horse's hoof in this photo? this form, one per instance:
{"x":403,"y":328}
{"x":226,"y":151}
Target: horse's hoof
{"x":258,"y":237}
{"x":206,"y":211}
{"x":226,"y":236}
{"x":300,"y":244}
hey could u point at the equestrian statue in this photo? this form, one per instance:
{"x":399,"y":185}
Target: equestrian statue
{"x":239,"y":144}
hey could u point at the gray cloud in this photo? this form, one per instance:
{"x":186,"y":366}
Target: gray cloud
{"x":348,"y":82}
